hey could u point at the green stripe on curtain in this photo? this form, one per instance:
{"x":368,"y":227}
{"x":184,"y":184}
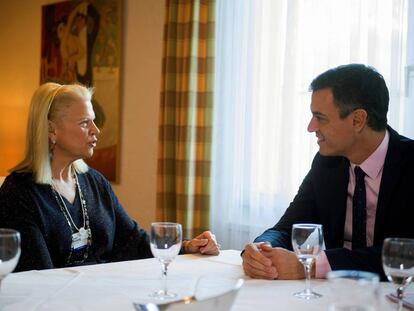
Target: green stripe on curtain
{"x":184,"y":157}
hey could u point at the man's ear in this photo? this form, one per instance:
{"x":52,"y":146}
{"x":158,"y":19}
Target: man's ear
{"x":360,"y":119}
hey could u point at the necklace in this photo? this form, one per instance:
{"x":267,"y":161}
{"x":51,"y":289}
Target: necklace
{"x":82,"y":236}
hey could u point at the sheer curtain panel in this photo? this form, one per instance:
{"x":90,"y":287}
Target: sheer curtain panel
{"x":267,"y":53}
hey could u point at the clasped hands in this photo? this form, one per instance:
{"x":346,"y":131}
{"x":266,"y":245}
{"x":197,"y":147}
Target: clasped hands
{"x":261,"y":261}
{"x":205,"y":244}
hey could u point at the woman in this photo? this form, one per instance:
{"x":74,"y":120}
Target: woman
{"x":66,"y":212}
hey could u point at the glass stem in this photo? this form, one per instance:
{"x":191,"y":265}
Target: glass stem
{"x":164,"y":275}
{"x":400,"y":305}
{"x":308,"y":267}
{"x":400,"y":295}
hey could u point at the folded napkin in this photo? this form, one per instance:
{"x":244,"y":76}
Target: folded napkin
{"x":408,"y":300}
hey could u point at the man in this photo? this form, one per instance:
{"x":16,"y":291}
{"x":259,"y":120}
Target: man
{"x":363,"y":168}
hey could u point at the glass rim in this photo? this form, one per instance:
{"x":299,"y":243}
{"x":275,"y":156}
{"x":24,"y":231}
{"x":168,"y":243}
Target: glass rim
{"x":165,"y":223}
{"x":353,"y":275}
{"x":399,"y":240}
{"x":6,"y":232}
{"x":306,"y":225}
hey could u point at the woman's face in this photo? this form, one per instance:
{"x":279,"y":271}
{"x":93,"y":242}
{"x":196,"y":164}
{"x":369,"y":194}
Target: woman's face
{"x":74,"y":132}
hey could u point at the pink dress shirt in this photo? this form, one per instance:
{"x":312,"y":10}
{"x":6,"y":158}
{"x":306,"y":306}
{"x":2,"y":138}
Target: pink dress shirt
{"x":372,"y":167}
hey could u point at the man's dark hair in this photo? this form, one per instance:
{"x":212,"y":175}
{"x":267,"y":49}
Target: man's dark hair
{"x":357,"y":86}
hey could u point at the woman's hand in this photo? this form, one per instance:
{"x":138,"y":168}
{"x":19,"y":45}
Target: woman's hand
{"x":205,"y":244}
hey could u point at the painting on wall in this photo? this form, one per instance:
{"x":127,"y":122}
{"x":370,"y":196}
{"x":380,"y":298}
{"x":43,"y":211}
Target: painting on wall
{"x":81,"y":43}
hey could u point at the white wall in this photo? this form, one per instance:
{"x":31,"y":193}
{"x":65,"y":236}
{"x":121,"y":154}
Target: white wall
{"x":20,"y":22}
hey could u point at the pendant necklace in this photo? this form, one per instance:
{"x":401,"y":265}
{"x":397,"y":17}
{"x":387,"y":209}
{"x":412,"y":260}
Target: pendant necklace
{"x":81,"y":236}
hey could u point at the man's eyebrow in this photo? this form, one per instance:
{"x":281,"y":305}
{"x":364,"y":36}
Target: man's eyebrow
{"x":318,"y":114}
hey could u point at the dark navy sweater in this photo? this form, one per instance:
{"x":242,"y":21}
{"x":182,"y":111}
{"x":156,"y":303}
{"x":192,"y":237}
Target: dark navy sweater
{"x":32,"y":209}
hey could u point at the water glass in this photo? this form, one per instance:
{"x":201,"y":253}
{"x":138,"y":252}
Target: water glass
{"x":353,"y":290}
{"x":398,"y":264}
{"x":166,"y":239}
{"x":307,"y":242}
{"x":9,"y":251}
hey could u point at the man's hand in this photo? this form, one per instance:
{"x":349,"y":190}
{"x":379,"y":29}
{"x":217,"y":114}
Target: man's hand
{"x":255,"y":264}
{"x":204,"y":243}
{"x":286,"y":263}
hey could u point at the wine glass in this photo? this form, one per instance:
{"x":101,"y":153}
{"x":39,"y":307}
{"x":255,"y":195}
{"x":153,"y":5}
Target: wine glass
{"x":398,"y":264}
{"x":9,"y":251}
{"x":166,"y":238}
{"x":307,"y":241}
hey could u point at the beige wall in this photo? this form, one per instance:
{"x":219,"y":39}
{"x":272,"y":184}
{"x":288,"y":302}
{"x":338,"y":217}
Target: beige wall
{"x":19,"y":77}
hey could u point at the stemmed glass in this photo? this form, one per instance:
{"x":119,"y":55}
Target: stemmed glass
{"x":398,"y":264}
{"x":166,"y":238}
{"x":307,"y":241}
{"x":9,"y":251}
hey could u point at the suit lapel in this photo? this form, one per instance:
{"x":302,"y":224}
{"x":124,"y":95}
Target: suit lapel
{"x":390,"y":177}
{"x":342,"y":195}
{"x":335,"y":202}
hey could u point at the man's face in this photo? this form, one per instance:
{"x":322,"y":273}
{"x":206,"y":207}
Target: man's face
{"x":335,"y":135}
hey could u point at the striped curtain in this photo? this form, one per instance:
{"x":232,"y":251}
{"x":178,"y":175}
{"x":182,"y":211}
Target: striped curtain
{"x":185,"y":131}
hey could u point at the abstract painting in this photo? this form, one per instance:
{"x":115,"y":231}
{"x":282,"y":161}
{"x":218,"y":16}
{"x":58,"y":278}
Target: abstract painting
{"x":81,"y":43}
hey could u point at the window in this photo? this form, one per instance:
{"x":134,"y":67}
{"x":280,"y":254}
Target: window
{"x":267,"y":53}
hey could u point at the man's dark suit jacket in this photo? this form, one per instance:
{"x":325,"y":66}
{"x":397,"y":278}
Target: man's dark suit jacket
{"x":322,"y":199}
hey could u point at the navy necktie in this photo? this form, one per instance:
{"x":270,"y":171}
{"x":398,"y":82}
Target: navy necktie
{"x":359,"y":213}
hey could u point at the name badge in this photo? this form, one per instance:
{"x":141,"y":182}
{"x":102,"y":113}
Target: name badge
{"x":79,"y":240}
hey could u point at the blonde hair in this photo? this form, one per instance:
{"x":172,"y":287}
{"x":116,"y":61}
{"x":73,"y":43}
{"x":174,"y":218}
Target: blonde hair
{"x":46,"y":102}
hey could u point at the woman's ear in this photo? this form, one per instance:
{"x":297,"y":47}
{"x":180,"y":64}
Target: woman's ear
{"x":360,"y":119}
{"x":51,"y":130}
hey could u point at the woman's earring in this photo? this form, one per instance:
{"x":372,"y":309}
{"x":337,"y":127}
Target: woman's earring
{"x":52,"y":146}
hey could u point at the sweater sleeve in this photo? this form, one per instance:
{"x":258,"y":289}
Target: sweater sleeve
{"x":130,"y":241}
{"x":16,"y":210}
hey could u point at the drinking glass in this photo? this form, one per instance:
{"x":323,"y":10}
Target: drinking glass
{"x":9,"y":251}
{"x":307,"y":241}
{"x":166,"y":238}
{"x":353,"y":290}
{"x":398,"y":264}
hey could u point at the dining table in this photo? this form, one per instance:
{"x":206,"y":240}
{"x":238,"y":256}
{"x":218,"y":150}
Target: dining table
{"x":118,"y":285}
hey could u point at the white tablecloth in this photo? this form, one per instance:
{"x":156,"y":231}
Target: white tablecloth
{"x":116,"y":286}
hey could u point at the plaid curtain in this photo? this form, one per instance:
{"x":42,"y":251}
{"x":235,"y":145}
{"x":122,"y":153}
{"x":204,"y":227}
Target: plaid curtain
{"x":185,"y":131}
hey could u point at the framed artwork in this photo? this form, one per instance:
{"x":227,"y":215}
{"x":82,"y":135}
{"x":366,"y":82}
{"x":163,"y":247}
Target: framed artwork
{"x":81,"y":43}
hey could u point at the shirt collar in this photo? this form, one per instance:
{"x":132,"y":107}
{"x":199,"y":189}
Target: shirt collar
{"x":373,"y":165}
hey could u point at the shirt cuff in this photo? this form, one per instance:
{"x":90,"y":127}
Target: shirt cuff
{"x":322,"y":266}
